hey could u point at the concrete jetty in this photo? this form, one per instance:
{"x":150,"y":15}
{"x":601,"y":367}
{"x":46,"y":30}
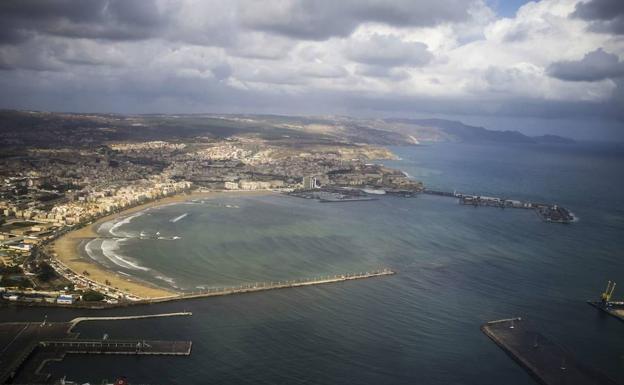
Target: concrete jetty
{"x":264,"y":286}
{"x":77,"y":320}
{"x":545,"y":361}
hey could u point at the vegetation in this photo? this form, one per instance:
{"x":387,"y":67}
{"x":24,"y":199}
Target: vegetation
{"x":92,"y":296}
{"x":45,"y":272}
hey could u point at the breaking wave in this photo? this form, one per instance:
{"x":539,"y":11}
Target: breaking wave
{"x":110,"y":248}
{"x":174,"y":220}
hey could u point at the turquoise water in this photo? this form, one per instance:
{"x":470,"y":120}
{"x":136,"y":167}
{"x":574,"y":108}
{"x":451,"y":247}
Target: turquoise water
{"x":457,"y":268}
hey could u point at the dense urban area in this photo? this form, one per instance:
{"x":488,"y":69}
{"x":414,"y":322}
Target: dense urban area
{"x":62,"y":171}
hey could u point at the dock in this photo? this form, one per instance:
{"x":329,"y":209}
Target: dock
{"x":545,"y":361}
{"x":26,"y":347}
{"x":264,"y":286}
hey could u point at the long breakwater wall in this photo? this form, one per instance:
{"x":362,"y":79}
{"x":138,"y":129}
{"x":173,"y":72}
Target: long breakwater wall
{"x":545,"y":211}
{"x":264,"y":286}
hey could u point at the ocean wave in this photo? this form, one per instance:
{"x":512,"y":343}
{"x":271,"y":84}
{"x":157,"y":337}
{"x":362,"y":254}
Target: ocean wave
{"x":110,"y":248}
{"x":121,"y":222}
{"x":169,"y":280}
{"x":90,"y":249}
{"x":174,"y":220}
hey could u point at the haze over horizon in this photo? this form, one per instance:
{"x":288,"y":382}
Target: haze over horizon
{"x":553,"y":66}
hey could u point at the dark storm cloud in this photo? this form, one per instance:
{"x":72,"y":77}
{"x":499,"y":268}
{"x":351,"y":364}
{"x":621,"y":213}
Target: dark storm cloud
{"x":389,"y":51}
{"x":605,"y":15}
{"x":596,"y":65}
{"x":100,"y":19}
{"x":322,"y":19}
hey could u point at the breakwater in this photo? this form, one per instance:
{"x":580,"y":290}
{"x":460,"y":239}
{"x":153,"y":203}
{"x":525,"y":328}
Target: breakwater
{"x":77,"y":320}
{"x":547,"y":212}
{"x":264,"y":286}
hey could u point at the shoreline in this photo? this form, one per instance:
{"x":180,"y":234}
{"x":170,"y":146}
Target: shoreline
{"x":66,"y":249}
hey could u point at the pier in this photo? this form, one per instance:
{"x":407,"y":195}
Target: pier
{"x":264,"y":286}
{"x":135,"y":347}
{"x":545,"y":361}
{"x":26,"y":347}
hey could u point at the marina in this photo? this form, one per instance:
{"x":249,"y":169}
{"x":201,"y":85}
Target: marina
{"x":547,"y":362}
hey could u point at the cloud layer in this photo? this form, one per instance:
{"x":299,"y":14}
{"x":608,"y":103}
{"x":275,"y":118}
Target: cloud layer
{"x":553,"y":59}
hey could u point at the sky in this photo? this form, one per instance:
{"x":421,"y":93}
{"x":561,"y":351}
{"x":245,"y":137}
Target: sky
{"x":552,"y":66}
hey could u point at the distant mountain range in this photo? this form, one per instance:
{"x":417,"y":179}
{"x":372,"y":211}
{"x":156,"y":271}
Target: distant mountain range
{"x":449,"y":130}
{"x":50,"y":129}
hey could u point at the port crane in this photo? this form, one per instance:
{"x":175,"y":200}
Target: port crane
{"x":606,"y":296}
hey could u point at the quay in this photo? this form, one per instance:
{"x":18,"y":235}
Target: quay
{"x":26,"y":347}
{"x":545,"y":361}
{"x":264,"y":286}
{"x":551,"y":213}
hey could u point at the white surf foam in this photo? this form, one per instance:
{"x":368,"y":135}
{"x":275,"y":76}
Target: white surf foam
{"x":121,"y":222}
{"x":110,"y":248}
{"x":174,"y":220}
{"x":169,"y":280}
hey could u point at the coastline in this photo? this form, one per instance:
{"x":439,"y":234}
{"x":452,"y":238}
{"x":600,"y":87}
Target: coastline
{"x":65,"y":249}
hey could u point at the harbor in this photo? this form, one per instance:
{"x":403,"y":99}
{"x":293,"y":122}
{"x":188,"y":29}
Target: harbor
{"x":27,"y":347}
{"x":547,"y":362}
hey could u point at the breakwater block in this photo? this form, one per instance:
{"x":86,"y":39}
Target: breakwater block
{"x":547,"y":362}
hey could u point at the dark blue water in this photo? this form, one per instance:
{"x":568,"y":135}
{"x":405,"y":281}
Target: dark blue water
{"x":457,"y":268}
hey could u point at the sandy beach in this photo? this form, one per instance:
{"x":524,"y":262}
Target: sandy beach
{"x":66,"y":248}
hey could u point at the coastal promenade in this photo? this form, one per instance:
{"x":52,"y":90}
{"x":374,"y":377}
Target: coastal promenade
{"x":264,"y":286}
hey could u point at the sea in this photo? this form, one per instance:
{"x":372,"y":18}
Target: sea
{"x":457,"y":267}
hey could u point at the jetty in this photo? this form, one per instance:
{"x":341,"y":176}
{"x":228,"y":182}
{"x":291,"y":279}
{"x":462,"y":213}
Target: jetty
{"x":547,"y":212}
{"x":547,"y":362}
{"x":77,"y":320}
{"x":26,"y":347}
{"x":275,"y":285}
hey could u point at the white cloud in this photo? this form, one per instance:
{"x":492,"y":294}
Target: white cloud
{"x":215,"y":52}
